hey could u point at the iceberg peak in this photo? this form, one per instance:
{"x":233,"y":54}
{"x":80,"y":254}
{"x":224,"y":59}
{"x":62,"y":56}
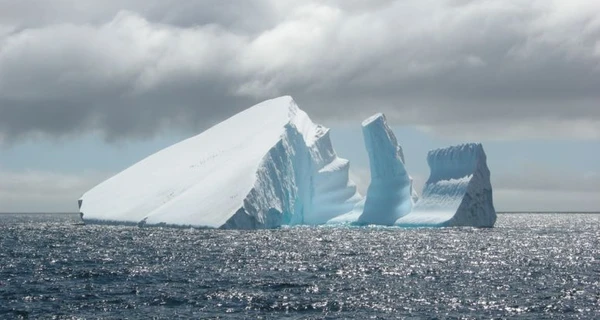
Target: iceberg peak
{"x":454,"y":162}
{"x":458,"y":191}
{"x":390,"y":193}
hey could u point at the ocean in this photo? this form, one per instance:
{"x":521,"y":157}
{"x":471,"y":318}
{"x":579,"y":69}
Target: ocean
{"x":530,"y":266}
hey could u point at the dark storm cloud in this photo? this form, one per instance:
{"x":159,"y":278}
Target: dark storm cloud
{"x":503,"y":68}
{"x":232,"y":14}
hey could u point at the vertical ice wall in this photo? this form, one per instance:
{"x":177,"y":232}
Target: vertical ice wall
{"x":458,"y":191}
{"x":390,"y":193}
{"x":301,"y":181}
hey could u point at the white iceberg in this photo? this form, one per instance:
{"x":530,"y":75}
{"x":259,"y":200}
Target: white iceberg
{"x":390,"y":194}
{"x":458,"y":191}
{"x":264,"y":167}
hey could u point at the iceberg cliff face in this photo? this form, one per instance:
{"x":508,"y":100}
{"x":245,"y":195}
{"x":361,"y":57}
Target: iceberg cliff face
{"x":266,"y":166}
{"x":390,"y":194}
{"x":458,"y":191}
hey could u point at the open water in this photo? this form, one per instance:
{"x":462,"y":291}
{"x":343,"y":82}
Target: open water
{"x":531,"y":266}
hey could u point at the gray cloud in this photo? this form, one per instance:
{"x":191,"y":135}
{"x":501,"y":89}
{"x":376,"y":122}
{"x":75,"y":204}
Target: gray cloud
{"x":231,"y":14}
{"x":504,"y":69}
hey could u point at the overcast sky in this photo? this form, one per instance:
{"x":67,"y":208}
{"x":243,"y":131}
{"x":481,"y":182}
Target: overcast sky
{"x":89,"y":87}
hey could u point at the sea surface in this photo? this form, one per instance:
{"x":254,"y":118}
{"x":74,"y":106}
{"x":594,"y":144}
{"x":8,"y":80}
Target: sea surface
{"x":530,"y":266}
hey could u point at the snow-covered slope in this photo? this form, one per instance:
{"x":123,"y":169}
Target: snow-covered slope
{"x":390,"y":192}
{"x":458,"y":191}
{"x":266,"y":166}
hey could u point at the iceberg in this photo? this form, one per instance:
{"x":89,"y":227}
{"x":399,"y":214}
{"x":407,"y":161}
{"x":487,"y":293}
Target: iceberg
{"x":351,"y":217}
{"x":458,"y":191}
{"x":266,"y":166}
{"x":390,"y":194}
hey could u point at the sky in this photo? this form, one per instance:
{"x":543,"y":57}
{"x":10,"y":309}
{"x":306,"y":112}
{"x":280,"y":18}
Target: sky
{"x":88,"y":88}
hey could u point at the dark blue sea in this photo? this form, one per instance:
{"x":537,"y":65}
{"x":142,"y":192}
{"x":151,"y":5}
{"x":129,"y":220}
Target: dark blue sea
{"x":531,"y":266}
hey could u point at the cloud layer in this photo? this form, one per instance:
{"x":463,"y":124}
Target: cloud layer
{"x":504,"y":69}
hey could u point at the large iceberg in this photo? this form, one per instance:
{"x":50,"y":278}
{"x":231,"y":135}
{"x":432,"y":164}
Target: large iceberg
{"x":458,"y":191}
{"x":390,"y":194}
{"x":264,"y":167}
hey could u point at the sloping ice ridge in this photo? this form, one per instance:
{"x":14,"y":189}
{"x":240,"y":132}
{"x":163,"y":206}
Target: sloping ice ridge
{"x":264,"y":167}
{"x":458,"y":191}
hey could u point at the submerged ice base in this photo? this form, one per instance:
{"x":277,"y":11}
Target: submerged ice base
{"x":458,"y":191}
{"x":266,"y":166}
